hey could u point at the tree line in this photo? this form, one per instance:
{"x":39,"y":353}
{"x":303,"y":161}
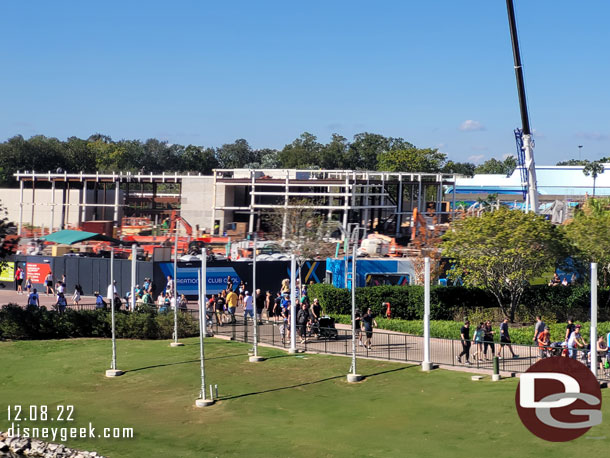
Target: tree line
{"x":100,"y":153}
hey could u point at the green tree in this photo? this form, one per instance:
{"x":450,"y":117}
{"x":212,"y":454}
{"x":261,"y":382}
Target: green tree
{"x":411,"y":160}
{"x":236,"y":155}
{"x":589,"y":233}
{"x":364,"y":151}
{"x":333,"y":155}
{"x":461,"y":168}
{"x":198,"y":159}
{"x":302,"y":153}
{"x":501,"y":251}
{"x":494,"y":166}
{"x":6,"y":227}
{"x":593,"y":169}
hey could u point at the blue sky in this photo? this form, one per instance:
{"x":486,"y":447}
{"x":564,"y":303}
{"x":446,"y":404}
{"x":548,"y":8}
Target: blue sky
{"x":437,"y":73}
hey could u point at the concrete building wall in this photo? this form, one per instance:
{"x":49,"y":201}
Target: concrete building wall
{"x":197,"y":201}
{"x":44,"y":214}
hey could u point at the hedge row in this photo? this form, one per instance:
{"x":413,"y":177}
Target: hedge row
{"x":451,"y":329}
{"x":33,"y":323}
{"x":554,"y":303}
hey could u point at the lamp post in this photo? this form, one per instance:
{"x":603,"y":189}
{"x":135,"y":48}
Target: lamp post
{"x":293,"y":318}
{"x":353,"y":376}
{"x":113,"y":371}
{"x":594,"y":318}
{"x":579,"y":150}
{"x":426,"y":364}
{"x":134,"y":258}
{"x":202,"y":401}
{"x":175,"y":343}
{"x":255,"y":358}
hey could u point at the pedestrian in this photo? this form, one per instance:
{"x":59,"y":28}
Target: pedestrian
{"x":219,"y":308}
{"x":505,"y":339}
{"x":302,"y":320}
{"x":61,"y":303}
{"x":538,"y":328}
{"x":544,"y":342}
{"x":369,"y":323}
{"x":28,"y":285}
{"x":248,"y":306}
{"x":33,"y":298}
{"x":315,"y":311}
{"x":488,"y":340}
{"x":77,"y":294}
{"x":569,"y":328}
{"x":259,"y":303}
{"x":575,"y":341}
{"x":183,"y":303}
{"x":232,"y":304}
{"x":99,"y":301}
{"x":277,"y":307}
{"x":169,"y":286}
{"x":477,"y":339}
{"x":602,"y":353}
{"x":19,"y":280}
{"x":112,"y":291}
{"x":269,"y":305}
{"x":48,"y":282}
{"x":465,"y":340}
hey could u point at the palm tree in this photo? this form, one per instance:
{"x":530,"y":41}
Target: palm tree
{"x":594,"y":169}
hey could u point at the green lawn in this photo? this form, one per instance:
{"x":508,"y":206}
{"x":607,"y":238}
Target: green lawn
{"x":286,"y":406}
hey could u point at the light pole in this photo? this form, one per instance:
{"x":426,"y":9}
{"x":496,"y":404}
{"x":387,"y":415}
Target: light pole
{"x":113,"y":371}
{"x":132,"y":296}
{"x":579,"y":150}
{"x":202,"y":401}
{"x":175,"y":343}
{"x":293,"y":318}
{"x":353,"y":376}
{"x":426,"y":364}
{"x":255,"y":358}
{"x":594,"y":318}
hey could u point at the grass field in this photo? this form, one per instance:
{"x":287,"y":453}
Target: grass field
{"x":286,"y":406}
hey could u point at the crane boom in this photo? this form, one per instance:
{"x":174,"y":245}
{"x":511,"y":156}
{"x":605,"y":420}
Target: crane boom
{"x":528,"y":144}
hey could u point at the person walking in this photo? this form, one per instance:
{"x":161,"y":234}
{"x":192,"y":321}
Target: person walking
{"x":570,"y":327}
{"x":368,"y":321}
{"x":48,"y":282}
{"x":505,"y":339}
{"x":33,"y":298}
{"x":77,"y":294}
{"x":538,"y":328}
{"x":248,"y":306}
{"x":232,"y":304}
{"x":575,"y":341}
{"x":488,"y":340}
{"x":302,"y":320}
{"x":61,"y":303}
{"x":28,"y":285}
{"x":19,"y":280}
{"x":259,"y":304}
{"x":544,"y":342}
{"x":477,"y":339}
{"x":465,"y":341}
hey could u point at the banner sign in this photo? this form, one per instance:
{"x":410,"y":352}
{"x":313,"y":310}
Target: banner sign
{"x":7,"y":272}
{"x":187,"y":282}
{"x":37,"y":271}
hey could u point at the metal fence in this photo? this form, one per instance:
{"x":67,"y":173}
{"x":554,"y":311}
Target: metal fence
{"x":393,"y":346}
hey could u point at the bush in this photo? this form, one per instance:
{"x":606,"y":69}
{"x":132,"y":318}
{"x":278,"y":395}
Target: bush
{"x":554,"y":303}
{"x":33,"y":323}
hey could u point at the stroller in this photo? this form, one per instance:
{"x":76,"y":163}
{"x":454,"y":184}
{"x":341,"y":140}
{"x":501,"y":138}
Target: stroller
{"x":557,"y":349}
{"x":325,"y":328}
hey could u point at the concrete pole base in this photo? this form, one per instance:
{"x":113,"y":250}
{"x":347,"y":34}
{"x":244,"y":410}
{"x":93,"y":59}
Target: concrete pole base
{"x":203,"y":402}
{"x":114,"y":373}
{"x":496,"y":378}
{"x":426,"y":366}
{"x":256,"y":359}
{"x":293,"y":350}
{"x":353,"y":378}
{"x":176,"y":344}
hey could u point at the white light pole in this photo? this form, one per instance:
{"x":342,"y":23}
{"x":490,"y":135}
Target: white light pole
{"x":594,"y":318}
{"x":134,"y":258}
{"x":255,"y":358}
{"x":203,"y":276}
{"x":293,"y":308}
{"x":353,"y":376}
{"x":113,"y":371}
{"x":175,"y":343}
{"x":426,"y":364}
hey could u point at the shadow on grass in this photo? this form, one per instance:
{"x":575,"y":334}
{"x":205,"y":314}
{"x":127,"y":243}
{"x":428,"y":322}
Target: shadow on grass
{"x":298,"y":385}
{"x":184,"y":362}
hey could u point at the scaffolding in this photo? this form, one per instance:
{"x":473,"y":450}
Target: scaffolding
{"x":376,"y":201}
{"x":128,"y":189}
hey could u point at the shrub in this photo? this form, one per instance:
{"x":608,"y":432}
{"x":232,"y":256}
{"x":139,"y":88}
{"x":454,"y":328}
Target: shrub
{"x":33,"y":323}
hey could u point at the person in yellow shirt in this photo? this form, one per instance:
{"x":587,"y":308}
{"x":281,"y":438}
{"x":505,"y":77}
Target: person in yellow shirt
{"x":232,"y":303}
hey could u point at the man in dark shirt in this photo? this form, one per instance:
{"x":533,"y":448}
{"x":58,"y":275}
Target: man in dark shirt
{"x":260,"y":305}
{"x":505,"y":339}
{"x":369,"y":323}
{"x":465,"y":340}
{"x":570,"y":328}
{"x":488,"y":339}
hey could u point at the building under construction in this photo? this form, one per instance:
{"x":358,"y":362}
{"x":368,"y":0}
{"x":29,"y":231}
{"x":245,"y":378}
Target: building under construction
{"x":228,"y":199}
